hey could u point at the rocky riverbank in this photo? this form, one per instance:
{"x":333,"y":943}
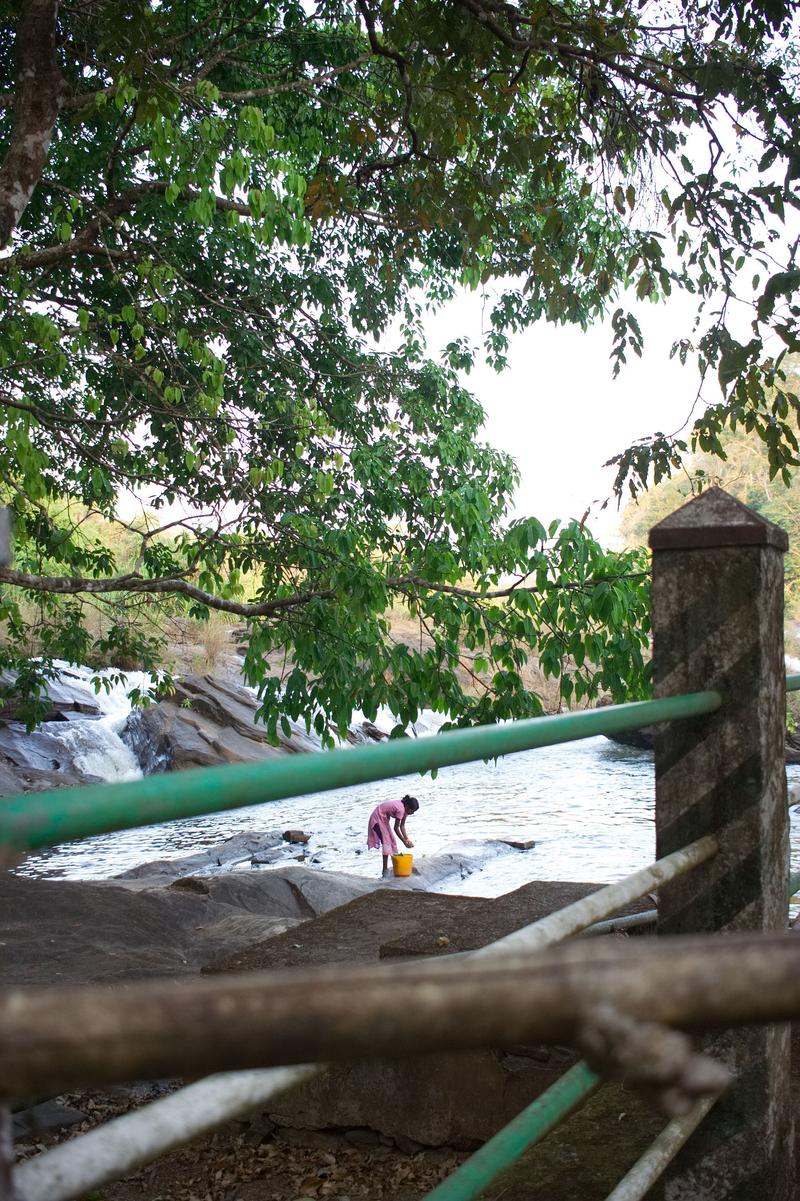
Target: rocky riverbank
{"x":151,"y":923}
{"x":183,"y":915}
{"x":208,"y":720}
{"x":86,"y":736}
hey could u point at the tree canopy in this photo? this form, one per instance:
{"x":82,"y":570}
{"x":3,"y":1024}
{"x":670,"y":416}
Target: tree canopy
{"x":217,"y":217}
{"x":744,"y":471}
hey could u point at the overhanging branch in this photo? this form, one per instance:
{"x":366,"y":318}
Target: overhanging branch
{"x":85,"y":241}
{"x":409,"y":585}
{"x":74,"y":585}
{"x":296,"y":85}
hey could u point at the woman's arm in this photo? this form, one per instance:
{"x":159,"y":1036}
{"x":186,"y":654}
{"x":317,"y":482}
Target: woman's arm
{"x":400,"y":830}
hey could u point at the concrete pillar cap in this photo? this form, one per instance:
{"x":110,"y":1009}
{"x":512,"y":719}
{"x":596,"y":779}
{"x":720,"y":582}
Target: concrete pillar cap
{"x":714,"y":518}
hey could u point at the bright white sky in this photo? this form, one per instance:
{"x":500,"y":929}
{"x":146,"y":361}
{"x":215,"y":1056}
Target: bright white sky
{"x":557,"y":410}
{"x":560,"y":413}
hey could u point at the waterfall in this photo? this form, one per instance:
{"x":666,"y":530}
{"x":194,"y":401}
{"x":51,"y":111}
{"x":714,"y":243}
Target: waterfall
{"x":85,"y":740}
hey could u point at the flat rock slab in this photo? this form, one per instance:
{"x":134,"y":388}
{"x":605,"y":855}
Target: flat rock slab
{"x":70,"y":932}
{"x":75,"y":932}
{"x":48,"y":1115}
{"x":232,"y":854}
{"x":78,"y":932}
{"x":391,"y":924}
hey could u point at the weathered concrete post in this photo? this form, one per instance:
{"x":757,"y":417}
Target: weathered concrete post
{"x":718,"y":624}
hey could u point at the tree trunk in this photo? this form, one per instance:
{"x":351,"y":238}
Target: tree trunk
{"x":40,"y":95}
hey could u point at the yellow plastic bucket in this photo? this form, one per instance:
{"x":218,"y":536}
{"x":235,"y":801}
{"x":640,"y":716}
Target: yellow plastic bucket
{"x":402,"y":864}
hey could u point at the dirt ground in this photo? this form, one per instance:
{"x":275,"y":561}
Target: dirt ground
{"x":582,"y":1159}
{"x":236,"y":1164}
{"x":243,"y":1162}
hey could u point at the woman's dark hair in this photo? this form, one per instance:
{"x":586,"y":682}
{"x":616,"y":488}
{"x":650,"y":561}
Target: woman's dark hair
{"x":411,"y":803}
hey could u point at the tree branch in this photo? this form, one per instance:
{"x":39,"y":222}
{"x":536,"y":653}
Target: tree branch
{"x":40,"y":94}
{"x":487,"y":14}
{"x":401,"y":63}
{"x":85,"y":240}
{"x":73,"y":585}
{"x":297,"y":85}
{"x":72,"y":102}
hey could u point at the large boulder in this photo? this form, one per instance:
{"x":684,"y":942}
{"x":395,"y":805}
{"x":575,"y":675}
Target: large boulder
{"x":456,"y":1100}
{"x":35,"y":762}
{"x":231,"y":707}
{"x":68,"y":697}
{"x":321,"y":892}
{"x":38,"y":750}
{"x":14,"y":781}
{"x":43,"y":759}
{"x":207,"y":721}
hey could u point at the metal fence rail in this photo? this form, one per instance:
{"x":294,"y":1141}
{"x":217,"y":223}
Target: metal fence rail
{"x":578,"y":916}
{"x":540,"y":1117}
{"x":636,"y":1183}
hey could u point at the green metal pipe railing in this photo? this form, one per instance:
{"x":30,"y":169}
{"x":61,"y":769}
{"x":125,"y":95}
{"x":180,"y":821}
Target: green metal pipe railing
{"x":42,"y":819}
{"x":637,"y":1183}
{"x":792,"y":683}
{"x":527,"y":1129}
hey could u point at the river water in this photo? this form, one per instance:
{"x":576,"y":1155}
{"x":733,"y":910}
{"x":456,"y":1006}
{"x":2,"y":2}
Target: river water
{"x":588,"y":805}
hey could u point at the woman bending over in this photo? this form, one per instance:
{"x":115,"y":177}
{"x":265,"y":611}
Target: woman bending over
{"x":379,"y":832}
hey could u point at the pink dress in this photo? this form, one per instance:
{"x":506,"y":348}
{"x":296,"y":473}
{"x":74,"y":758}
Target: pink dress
{"x":379,"y":832}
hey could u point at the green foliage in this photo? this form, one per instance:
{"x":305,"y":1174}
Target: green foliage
{"x":242,"y":202}
{"x":741,"y":465}
{"x":586,"y":612}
